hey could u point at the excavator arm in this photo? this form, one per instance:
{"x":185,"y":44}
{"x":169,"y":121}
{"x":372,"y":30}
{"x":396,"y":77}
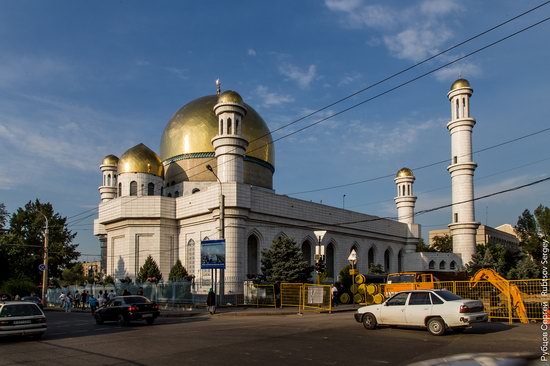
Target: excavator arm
{"x":505,"y":287}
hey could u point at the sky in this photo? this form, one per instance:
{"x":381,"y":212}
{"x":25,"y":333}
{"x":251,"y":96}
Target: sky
{"x":81,"y":80}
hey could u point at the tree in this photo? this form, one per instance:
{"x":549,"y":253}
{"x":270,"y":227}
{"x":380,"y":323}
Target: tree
{"x":525,"y":269}
{"x":3,"y":217}
{"x":532,"y":230}
{"x":283,"y":262}
{"x":21,"y":247}
{"x":443,"y":244}
{"x":150,"y":271}
{"x":500,"y":257}
{"x":178,"y":272}
{"x":376,"y":269}
{"x":73,"y":275}
{"x":344,"y":277}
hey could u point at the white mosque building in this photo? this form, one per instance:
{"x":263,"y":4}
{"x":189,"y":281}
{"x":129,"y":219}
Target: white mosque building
{"x":164,"y":206}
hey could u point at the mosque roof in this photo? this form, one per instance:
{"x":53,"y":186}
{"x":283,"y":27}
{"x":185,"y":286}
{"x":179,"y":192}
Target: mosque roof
{"x":460,"y":83}
{"x":230,"y":96}
{"x":404,"y":172}
{"x":140,"y":159}
{"x":110,"y":160}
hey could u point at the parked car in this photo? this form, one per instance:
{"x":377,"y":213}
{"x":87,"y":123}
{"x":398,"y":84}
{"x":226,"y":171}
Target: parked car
{"x":436,"y":310}
{"x":21,"y":318}
{"x":124,"y":309}
{"x":35,"y":299}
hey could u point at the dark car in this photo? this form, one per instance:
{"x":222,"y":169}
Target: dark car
{"x":21,"y":318}
{"x":124,"y":309}
{"x":35,"y":299}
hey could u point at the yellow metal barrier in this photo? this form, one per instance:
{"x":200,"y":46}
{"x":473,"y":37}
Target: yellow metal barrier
{"x":259,"y":295}
{"x":291,"y":294}
{"x":317,"y":297}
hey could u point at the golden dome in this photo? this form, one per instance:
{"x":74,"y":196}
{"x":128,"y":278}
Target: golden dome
{"x":460,"y":83}
{"x":110,"y":160}
{"x":140,"y":159}
{"x":189,"y":133}
{"x":230,"y":96}
{"x":404,"y":172}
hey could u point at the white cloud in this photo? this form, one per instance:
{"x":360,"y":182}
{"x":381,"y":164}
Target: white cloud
{"x":343,"y":5}
{"x":349,"y":78}
{"x":302,"y":77}
{"x":251,"y":52}
{"x":439,"y":7}
{"x":454,"y":71}
{"x":179,"y":73}
{"x":270,"y":99}
{"x":417,"y":43}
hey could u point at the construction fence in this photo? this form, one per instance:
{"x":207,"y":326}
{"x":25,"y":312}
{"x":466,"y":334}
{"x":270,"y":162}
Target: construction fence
{"x":306,"y":296}
{"x":515,"y":300}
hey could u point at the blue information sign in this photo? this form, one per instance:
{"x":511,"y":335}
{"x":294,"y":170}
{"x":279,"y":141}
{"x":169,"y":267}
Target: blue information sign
{"x":213,"y":254}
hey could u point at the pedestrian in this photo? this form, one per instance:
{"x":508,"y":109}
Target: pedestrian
{"x":334,"y":295}
{"x":112,"y":295}
{"x":17,"y":297}
{"x":211,"y":301}
{"x":62,"y":299}
{"x":101,"y":298}
{"x":68,"y":302}
{"x":84,"y":299}
{"x":77,"y":298}
{"x":93,"y":303}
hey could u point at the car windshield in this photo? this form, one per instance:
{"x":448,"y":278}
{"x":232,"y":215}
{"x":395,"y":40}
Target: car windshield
{"x":401,"y":278}
{"x":20,"y":310}
{"x":136,"y":300}
{"x":447,"y":295}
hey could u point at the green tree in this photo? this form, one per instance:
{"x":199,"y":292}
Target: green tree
{"x":283,"y":262}
{"x":22,"y":245}
{"x":3,"y":217}
{"x":376,"y":269}
{"x":344,"y":277}
{"x":150,"y":271}
{"x":22,"y":286}
{"x":422,"y":247}
{"x":525,"y":269}
{"x":178,"y":272}
{"x":500,"y":257}
{"x":109,"y":280}
{"x":443,"y":244}
{"x":532,"y":230}
{"x":73,"y":275}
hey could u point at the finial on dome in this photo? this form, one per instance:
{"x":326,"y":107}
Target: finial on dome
{"x":218,"y":86}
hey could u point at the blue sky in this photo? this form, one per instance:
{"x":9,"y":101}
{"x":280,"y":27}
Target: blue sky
{"x":80,"y":80}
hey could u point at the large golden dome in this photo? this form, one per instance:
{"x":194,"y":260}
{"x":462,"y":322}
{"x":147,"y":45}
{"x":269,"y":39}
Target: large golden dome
{"x":404,"y":172}
{"x":188,"y":135}
{"x":460,"y":83}
{"x":140,"y":159}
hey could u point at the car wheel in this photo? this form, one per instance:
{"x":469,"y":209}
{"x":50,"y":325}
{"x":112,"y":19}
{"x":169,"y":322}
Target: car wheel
{"x":150,"y":320}
{"x":121,"y":320}
{"x":436,"y":326}
{"x":98,"y":319}
{"x":369,"y":321}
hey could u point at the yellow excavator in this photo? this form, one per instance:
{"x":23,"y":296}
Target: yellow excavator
{"x":505,"y":287}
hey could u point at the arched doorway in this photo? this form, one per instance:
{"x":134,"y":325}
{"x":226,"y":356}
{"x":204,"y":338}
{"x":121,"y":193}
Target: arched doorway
{"x":252,"y":255}
{"x":387,"y":261}
{"x":306,"y":251}
{"x":330,"y":260}
{"x":370,"y":259}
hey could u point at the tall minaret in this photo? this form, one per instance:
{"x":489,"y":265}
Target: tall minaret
{"x":108,"y":189}
{"x":463,"y":226}
{"x":230,"y":144}
{"x":405,"y":199}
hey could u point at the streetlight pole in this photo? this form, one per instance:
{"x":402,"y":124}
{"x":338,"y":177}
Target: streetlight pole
{"x":45,"y":272}
{"x":319,"y":252}
{"x":221,"y":229}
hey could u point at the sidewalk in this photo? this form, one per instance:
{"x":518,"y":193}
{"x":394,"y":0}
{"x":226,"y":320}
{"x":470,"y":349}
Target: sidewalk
{"x":230,"y":311}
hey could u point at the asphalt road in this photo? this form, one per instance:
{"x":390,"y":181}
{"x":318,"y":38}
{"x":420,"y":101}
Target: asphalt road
{"x":312,"y":339}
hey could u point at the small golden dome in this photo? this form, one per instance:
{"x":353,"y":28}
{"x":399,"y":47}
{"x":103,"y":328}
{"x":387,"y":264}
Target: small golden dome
{"x":110,"y":160}
{"x":460,"y":83}
{"x":230,"y":96}
{"x":140,"y":159}
{"x":404,"y":172}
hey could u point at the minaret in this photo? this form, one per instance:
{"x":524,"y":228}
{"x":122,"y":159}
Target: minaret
{"x":230,"y":144}
{"x":463,"y":226}
{"x":108,"y":190}
{"x":405,"y":199}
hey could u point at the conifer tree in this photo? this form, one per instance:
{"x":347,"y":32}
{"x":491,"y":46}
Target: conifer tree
{"x":150,"y":271}
{"x":284,"y":262}
{"x":178,"y":272}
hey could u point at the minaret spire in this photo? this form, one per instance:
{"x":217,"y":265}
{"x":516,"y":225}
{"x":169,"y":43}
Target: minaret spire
{"x":218,"y":87}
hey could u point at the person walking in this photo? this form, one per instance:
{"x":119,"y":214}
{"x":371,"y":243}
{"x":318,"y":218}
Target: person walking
{"x":334,"y":295}
{"x":92,"y":301}
{"x":211,"y":301}
{"x":84,"y":298}
{"x":68,"y":302}
{"x":77,"y":298}
{"x":100,"y":299}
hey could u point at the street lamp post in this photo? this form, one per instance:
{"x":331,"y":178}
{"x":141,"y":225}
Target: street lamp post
{"x":352,"y":261}
{"x":221,"y":228}
{"x":319,"y":252}
{"x":45,"y":272}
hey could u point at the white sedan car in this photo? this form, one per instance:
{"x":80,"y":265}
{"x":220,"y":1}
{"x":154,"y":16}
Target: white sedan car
{"x":437,"y":310}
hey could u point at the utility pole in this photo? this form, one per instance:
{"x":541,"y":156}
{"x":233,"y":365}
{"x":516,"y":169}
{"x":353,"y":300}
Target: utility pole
{"x":221,"y":229}
{"x":45,"y":271}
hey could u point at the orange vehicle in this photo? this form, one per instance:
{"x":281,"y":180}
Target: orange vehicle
{"x":408,"y":281}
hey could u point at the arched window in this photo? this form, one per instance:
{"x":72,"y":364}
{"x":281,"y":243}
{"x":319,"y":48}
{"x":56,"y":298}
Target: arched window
{"x":400,"y":261}
{"x":104,"y":180}
{"x":453,"y":265}
{"x":237,"y":125}
{"x":252,"y":255}
{"x":120,"y":189}
{"x":109,"y":180}
{"x":195,"y":190}
{"x":151,"y":189}
{"x":162,"y":191}
{"x":431,"y":265}
{"x":221,"y":127}
{"x":142,"y":190}
{"x":205,"y":238}
{"x":370,"y":258}
{"x":229,"y":127}
{"x":133,"y":188}
{"x":464,"y":107}
{"x":306,"y":251}
{"x":169,"y":195}
{"x":176,"y":193}
{"x":387,"y":260}
{"x":403,"y":189}
{"x":190,"y":257}
{"x":330,"y":260}
{"x":457,"y":108}
{"x":442,"y":265}
{"x":114,"y":180}
{"x":408,"y":189}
